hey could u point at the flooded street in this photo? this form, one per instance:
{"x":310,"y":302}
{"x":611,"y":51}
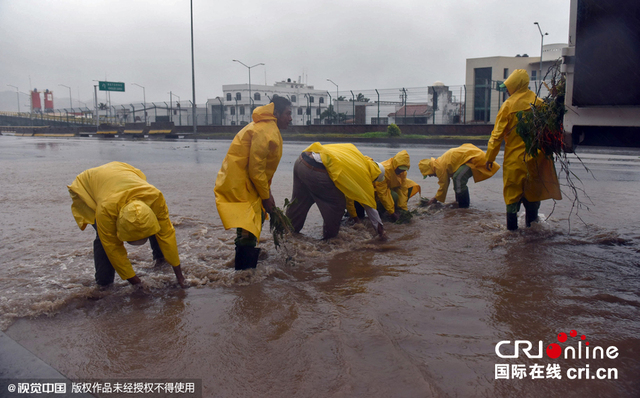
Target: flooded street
{"x":417,"y":316}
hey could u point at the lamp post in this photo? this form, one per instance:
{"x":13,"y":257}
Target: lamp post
{"x":541,"y":46}
{"x":144,"y":98}
{"x":337,"y":102}
{"x":70,"y":103}
{"x":17,"y":95}
{"x":193,"y":78}
{"x":249,"y":67}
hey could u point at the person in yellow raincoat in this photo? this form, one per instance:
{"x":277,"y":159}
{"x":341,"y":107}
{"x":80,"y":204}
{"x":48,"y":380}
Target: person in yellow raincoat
{"x":123,"y":207}
{"x":243,"y":185}
{"x":457,"y":164}
{"x":396,"y":189}
{"x":333,"y":176}
{"x":527,"y":180}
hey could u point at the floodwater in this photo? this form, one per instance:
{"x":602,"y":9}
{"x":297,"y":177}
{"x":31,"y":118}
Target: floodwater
{"x":417,"y":316}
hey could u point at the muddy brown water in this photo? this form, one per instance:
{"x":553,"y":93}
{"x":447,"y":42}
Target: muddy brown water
{"x":419,"y":315}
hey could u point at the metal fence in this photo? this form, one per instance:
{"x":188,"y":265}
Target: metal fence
{"x":436,"y":104}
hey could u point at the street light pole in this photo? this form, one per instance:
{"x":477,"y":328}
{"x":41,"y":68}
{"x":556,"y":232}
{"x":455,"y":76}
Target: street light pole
{"x":249,"y":67}
{"x":17,"y":95}
{"x":541,"y":47}
{"x":337,"y":102}
{"x":144,"y":98}
{"x":193,"y":78}
{"x":70,"y":103}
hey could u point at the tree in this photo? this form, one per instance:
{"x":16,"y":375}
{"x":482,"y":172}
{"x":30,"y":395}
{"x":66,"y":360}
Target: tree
{"x":361,"y":98}
{"x":341,"y":98}
{"x":102,"y":106}
{"x":330,"y":114}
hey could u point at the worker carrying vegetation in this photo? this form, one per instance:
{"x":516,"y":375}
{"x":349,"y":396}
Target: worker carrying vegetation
{"x":457,"y":164}
{"x":330,"y":176}
{"x":396,"y":189}
{"x":243,"y":186}
{"x":527,"y":179}
{"x":123,"y":207}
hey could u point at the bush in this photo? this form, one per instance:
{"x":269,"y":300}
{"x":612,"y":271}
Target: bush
{"x":393,"y":130}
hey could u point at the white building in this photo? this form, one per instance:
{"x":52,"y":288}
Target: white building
{"x":484,"y":75}
{"x":307,"y":104}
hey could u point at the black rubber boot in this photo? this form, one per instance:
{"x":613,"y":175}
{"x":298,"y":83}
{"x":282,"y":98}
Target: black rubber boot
{"x":512,"y":221}
{"x":246,"y":257}
{"x":463,"y":199}
{"x":531,"y":216}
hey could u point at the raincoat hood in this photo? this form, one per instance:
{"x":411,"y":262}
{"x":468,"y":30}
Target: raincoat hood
{"x":426,"y":167}
{"x":264,"y":113}
{"x":136,"y":221}
{"x":401,"y":159}
{"x":520,"y":98}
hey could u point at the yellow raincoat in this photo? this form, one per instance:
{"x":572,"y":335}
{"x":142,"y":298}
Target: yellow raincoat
{"x":446,"y":165}
{"x":533,"y":178}
{"x":245,"y":177}
{"x":118,"y":198}
{"x":351,"y":171}
{"x":396,"y":182}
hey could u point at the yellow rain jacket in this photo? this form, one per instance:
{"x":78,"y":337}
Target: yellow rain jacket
{"x":351,"y":171}
{"x":534,"y":178}
{"x":446,"y":165}
{"x":118,"y":198}
{"x":245,"y":177}
{"x":395,"y":182}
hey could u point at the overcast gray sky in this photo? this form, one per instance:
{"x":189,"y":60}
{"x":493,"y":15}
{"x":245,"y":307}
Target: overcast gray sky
{"x":360,"y":45}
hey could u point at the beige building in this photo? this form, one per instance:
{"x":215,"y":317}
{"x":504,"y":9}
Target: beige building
{"x":484,"y":76}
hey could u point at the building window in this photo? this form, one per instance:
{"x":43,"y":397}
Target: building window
{"x":233,"y":122}
{"x":308,"y":111}
{"x":238,"y":96}
{"x":318,"y":112}
{"x":293,"y":98}
{"x":299,"y":111}
{"x":232,"y":110}
{"x":534,"y":75}
{"x":321,"y":100}
{"x":506,"y":73}
{"x":256,"y":96}
{"x":228,"y":96}
{"x":242,"y":110}
{"x":482,"y":94}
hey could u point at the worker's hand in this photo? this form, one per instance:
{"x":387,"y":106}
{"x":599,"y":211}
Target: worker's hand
{"x":268,"y":204}
{"x":489,"y":165}
{"x":432,"y":201}
{"x":135,"y":280}
{"x":354,"y":220}
{"x":178,"y":271}
{"x":394,"y":216}
{"x":382,"y":234}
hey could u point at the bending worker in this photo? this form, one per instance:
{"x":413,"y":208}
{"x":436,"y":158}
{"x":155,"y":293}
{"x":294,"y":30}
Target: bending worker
{"x":243,"y":186}
{"x":457,"y":164}
{"x":329,"y":174}
{"x":527,"y":180}
{"x":123,"y":207}
{"x":396,"y":189}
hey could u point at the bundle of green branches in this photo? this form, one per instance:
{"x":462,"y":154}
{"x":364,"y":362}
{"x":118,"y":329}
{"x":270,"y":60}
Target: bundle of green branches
{"x":405,"y":216}
{"x":542,"y":128}
{"x":279,"y":223}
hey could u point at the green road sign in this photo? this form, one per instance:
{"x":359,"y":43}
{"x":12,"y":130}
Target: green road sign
{"x":111,"y":86}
